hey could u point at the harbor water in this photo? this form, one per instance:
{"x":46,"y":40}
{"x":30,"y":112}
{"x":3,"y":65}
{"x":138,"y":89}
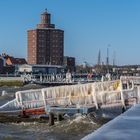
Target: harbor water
{"x":69,"y":129}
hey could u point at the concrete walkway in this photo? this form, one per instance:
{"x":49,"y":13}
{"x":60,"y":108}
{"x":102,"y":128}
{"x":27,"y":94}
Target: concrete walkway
{"x":124,"y":127}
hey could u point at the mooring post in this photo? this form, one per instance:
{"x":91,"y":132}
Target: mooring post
{"x":123,"y":109}
{"x":51,"y":119}
{"x":24,"y":113}
{"x":59,"y":117}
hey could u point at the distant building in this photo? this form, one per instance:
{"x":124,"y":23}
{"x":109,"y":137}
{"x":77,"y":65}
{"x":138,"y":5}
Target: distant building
{"x":9,"y":64}
{"x":46,"y":44}
{"x":69,"y":63}
{"x":15,"y":61}
{"x":2,"y":64}
{"x":41,"y":69}
{"x":12,"y":61}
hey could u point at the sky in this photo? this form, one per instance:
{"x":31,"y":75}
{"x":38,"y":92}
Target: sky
{"x":89,"y":26}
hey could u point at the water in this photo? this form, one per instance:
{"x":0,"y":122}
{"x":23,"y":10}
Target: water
{"x":25,"y":131}
{"x":70,"y":129}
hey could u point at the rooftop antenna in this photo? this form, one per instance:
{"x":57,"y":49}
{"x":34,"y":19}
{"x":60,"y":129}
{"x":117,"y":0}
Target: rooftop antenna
{"x":99,"y":58}
{"x":114,"y":58}
{"x":107,"y":58}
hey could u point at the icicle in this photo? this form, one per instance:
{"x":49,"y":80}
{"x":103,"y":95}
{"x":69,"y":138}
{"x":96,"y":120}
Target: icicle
{"x":94,"y":96}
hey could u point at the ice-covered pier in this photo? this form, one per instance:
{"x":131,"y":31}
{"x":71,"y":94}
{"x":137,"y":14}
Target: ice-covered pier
{"x":108,"y":95}
{"x":124,"y":127}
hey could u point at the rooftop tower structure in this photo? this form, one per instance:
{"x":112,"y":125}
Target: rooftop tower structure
{"x":46,"y":43}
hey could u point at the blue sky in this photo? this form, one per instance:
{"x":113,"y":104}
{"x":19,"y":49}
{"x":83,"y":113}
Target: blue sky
{"x":89,"y":25}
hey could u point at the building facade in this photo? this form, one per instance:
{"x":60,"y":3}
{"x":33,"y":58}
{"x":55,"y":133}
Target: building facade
{"x":69,"y":63}
{"x":9,"y":64}
{"x":2,"y":64}
{"x":46,"y":43}
{"x":41,"y":69}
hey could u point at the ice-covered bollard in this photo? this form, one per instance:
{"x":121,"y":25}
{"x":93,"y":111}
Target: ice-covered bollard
{"x":68,"y":77}
{"x":4,"y":93}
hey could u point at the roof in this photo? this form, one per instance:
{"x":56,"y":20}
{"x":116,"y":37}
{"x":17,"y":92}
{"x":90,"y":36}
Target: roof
{"x":20,"y":61}
{"x":55,"y":66}
{"x":48,"y":66}
{"x":51,"y":29}
{"x":45,"y":12}
{"x":17,"y":61}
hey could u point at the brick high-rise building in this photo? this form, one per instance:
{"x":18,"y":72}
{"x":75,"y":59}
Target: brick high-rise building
{"x":45,"y":43}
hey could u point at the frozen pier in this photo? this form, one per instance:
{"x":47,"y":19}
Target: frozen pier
{"x":124,"y":127}
{"x":107,"y":96}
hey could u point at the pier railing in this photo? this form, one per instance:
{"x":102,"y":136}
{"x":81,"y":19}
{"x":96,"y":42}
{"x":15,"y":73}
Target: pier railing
{"x":59,"y":78}
{"x":95,"y":94}
{"x":30,"y":99}
{"x":75,"y":95}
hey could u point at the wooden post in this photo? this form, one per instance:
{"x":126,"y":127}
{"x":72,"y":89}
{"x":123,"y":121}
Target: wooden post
{"x":51,"y":119}
{"x":123,"y":109}
{"x":59,"y":117}
{"x":24,"y":113}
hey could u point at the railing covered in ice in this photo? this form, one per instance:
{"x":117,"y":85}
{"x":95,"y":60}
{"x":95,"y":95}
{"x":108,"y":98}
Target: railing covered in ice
{"x":93,"y":94}
{"x":72,"y":95}
{"x":30,"y":99}
{"x":10,"y":106}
